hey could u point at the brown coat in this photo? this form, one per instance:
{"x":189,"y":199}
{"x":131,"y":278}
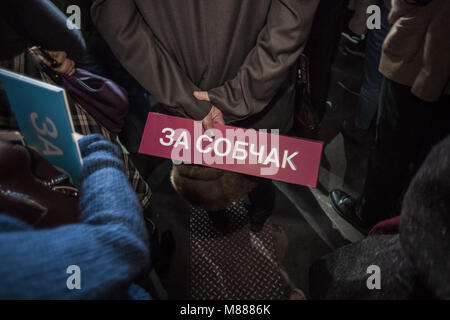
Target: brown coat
{"x":416,"y":52}
{"x":242,"y":52}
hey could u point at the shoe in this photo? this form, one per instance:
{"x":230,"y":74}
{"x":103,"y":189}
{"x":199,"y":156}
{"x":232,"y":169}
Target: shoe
{"x":356,"y":49}
{"x":354,"y":44}
{"x":349,"y":87}
{"x":347,"y":208}
{"x":356,"y":135}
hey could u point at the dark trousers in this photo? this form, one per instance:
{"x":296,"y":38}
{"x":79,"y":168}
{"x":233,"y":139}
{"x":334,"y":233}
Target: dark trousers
{"x":407,"y":129}
{"x":322,"y":47}
{"x":368,"y":101}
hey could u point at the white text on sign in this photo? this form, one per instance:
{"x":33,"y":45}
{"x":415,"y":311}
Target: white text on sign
{"x":236,"y":147}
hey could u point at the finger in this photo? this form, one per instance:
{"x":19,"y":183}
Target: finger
{"x":219,"y":120}
{"x":217,"y":116}
{"x":70,"y":67}
{"x":59,"y":56}
{"x":201,"y":95}
{"x":71,"y":73}
{"x":72,"y":70}
{"x":208,"y":123}
{"x":64,"y":67}
{"x":49,"y":59}
{"x":211,"y":133}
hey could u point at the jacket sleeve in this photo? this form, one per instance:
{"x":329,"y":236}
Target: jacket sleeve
{"x":134,"y":44}
{"x":109,"y":245}
{"x":434,"y":76}
{"x":33,"y":19}
{"x":268,"y":64}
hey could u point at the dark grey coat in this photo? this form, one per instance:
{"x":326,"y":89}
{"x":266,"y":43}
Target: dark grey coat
{"x":243,"y":52}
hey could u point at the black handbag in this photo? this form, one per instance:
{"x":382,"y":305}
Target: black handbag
{"x":103,"y":99}
{"x":32,"y":190}
{"x":305,"y":113}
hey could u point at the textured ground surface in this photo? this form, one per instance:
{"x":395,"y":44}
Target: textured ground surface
{"x":304,"y":218}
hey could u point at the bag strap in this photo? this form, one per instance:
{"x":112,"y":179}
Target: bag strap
{"x":41,"y":56}
{"x":304,"y":78}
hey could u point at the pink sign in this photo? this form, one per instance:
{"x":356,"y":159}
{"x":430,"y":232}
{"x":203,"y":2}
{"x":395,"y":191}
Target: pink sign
{"x":247,"y":151}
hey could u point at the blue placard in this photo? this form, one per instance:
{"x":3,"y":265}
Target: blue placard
{"x":43,"y":116}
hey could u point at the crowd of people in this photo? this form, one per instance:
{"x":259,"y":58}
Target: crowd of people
{"x":234,"y":62}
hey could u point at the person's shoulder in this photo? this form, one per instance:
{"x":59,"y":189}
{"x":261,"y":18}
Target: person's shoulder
{"x":11,"y":224}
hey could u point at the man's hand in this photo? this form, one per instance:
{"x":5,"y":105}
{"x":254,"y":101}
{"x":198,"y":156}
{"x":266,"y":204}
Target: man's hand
{"x":66,"y":66}
{"x":214,"y":116}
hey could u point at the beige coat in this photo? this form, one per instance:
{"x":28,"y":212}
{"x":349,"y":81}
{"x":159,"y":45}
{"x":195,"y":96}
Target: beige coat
{"x":416,"y":52}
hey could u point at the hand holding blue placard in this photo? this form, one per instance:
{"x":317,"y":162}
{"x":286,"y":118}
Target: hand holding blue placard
{"x":43,"y":116}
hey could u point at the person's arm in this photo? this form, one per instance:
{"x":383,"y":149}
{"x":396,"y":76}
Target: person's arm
{"x":40,"y":22}
{"x":109,"y":244}
{"x":134,"y":44}
{"x":267,"y":66}
{"x":436,"y":56}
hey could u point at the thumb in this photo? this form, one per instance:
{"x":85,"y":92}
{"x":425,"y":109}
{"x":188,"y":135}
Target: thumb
{"x":208,"y":123}
{"x":201,"y":95}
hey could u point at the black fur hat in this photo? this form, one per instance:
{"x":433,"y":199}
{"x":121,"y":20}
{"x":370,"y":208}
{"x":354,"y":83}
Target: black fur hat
{"x":425,"y":221}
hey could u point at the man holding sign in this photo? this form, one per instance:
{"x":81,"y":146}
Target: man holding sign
{"x":218,"y":61}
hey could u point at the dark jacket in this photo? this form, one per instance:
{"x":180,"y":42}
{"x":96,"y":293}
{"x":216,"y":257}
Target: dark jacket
{"x":242,"y":52}
{"x":27,"y":23}
{"x":85,"y":8}
{"x":413,"y":264}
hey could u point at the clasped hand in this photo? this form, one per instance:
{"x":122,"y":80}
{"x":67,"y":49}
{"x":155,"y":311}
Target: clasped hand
{"x":214,"y":116}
